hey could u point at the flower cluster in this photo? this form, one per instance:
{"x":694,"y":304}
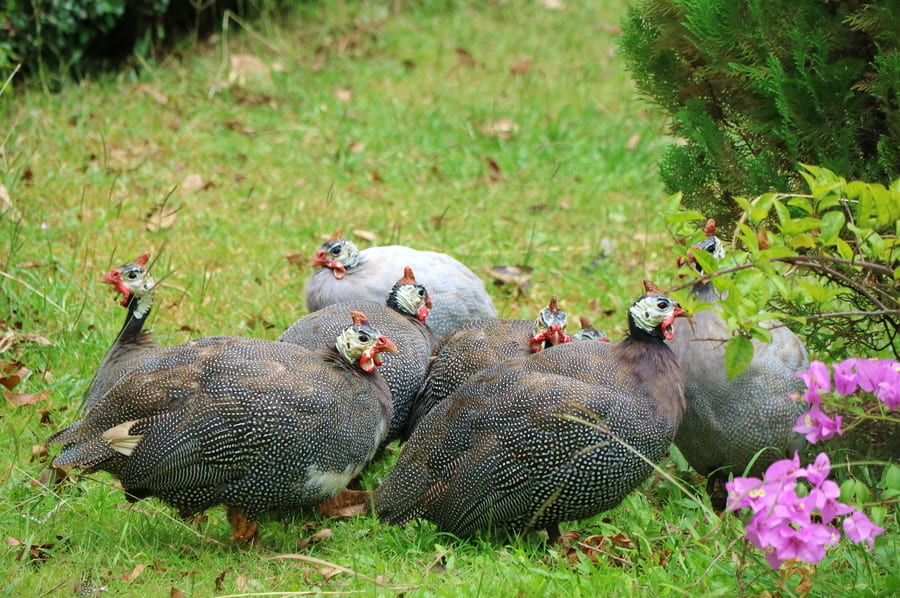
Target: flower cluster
{"x":881,"y":377}
{"x":786,"y":525}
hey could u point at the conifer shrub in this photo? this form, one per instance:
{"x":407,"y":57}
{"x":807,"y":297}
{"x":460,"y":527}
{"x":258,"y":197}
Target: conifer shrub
{"x":755,"y":87}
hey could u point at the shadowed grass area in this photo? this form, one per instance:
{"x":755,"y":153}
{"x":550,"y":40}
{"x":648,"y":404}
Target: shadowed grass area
{"x":503,"y":134}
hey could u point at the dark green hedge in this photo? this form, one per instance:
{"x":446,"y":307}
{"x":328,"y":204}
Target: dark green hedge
{"x":79,"y":36}
{"x":755,"y":87}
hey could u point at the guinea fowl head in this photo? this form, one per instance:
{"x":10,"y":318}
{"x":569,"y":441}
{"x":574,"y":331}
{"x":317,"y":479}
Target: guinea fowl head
{"x":409,"y":297}
{"x":589,"y":333}
{"x":135,"y":283}
{"x":364,"y":343}
{"x":338,"y":254}
{"x":711,"y":244}
{"x":549,"y":327}
{"x":653,"y":314}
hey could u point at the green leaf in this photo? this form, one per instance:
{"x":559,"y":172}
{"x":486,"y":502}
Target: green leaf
{"x":738,"y":355}
{"x":803,"y":240}
{"x":844,"y":249}
{"x":760,"y":333}
{"x":832,"y":222}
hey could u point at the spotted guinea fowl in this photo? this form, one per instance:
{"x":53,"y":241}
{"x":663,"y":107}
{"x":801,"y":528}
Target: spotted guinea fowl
{"x":402,"y":318}
{"x":727,"y":422}
{"x":475,"y":345}
{"x":255,"y":425}
{"x":509,"y":448}
{"x":348,"y":274}
{"x":589,"y":333}
{"x":136,"y":284}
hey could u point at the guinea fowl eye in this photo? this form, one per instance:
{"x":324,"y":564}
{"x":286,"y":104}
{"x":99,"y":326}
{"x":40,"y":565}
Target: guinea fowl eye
{"x":363,"y":337}
{"x":421,"y":292}
{"x":662,"y":304}
{"x":132,"y":274}
{"x":336,"y":250}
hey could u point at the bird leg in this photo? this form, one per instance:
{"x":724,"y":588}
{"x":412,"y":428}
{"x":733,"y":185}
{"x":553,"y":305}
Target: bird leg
{"x":244,"y":528}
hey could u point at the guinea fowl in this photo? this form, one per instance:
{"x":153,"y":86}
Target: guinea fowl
{"x":255,"y":425}
{"x":403,"y":319}
{"x":475,"y":345}
{"x":136,"y":284}
{"x":348,"y":274}
{"x":589,"y":333}
{"x":511,"y":448}
{"x":727,"y":422}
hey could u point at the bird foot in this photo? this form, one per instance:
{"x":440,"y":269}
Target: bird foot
{"x":346,"y":503}
{"x":244,"y":528}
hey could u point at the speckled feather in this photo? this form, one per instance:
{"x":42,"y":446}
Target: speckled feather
{"x":458,"y":295}
{"x":253,"y":424}
{"x":466,"y":350}
{"x":728,"y":421}
{"x":404,"y":372}
{"x":500,"y":451}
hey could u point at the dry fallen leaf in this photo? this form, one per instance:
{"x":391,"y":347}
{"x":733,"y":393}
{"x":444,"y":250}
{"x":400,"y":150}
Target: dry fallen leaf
{"x":246,"y":68}
{"x":130,"y":577}
{"x":502,"y":129}
{"x":18,"y":399}
{"x":633,"y":141}
{"x":346,"y":503}
{"x":344,"y":94}
{"x":5,"y":200}
{"x":553,"y":4}
{"x":154,"y":92}
{"x":176,"y":593}
{"x":11,"y":373}
{"x":163,"y":216}
{"x":514,"y":275}
{"x":522,"y":66}
{"x":493,"y":170}
{"x":364,"y":234}
{"x":194,"y":182}
{"x":464,"y":58}
{"x":221,"y":578}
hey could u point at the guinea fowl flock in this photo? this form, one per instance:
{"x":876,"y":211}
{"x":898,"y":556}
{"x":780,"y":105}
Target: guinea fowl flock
{"x":507,"y":424}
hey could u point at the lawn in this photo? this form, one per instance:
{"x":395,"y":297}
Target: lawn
{"x":504,"y":133}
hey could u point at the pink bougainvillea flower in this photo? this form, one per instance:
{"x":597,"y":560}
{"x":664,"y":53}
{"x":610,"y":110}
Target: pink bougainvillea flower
{"x":825,"y":498}
{"x":751,"y":493}
{"x":818,"y":471}
{"x":859,"y":529}
{"x":817,"y":377}
{"x":816,"y":426}
{"x":868,"y":374}
{"x":845,"y":378}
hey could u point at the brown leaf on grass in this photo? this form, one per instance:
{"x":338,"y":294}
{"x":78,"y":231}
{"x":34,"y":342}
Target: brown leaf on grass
{"x":161,"y":217}
{"x":375,"y":177}
{"x":38,"y":451}
{"x":494,"y":172}
{"x":356,"y":147}
{"x":328,"y":565}
{"x":240,"y":127}
{"x":5,"y":200}
{"x":241,"y":583}
{"x":35,"y":338}
{"x":464,"y":58}
{"x":154,"y":92}
{"x":553,"y":4}
{"x":18,"y":399}
{"x":175,"y":593}
{"x":135,"y":573}
{"x":221,"y":578}
{"x":522,"y":66}
{"x":364,"y":234}
{"x":502,"y":129}
{"x":298,"y":259}
{"x":11,"y":373}
{"x":194,"y":182}
{"x":320,"y":535}
{"x":33,"y":552}
{"x":345,"y":94}
{"x":248,"y":69}
{"x":254,"y":321}
{"x":633,"y":141}
{"x":512,"y":275}
{"x":346,"y":503}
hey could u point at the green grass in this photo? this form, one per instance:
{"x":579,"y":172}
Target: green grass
{"x":382,"y":118}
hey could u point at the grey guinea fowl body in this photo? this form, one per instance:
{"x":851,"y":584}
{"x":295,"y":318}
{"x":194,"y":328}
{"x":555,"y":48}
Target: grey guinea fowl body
{"x":254,"y":425}
{"x":502,"y":452}
{"x":458,"y":294}
{"x":136,"y":284}
{"x":400,"y":318}
{"x":727,"y":422}
{"x":476,"y":345}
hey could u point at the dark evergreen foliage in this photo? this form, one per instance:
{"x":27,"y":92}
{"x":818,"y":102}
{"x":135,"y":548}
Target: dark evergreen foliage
{"x":755,"y":87}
